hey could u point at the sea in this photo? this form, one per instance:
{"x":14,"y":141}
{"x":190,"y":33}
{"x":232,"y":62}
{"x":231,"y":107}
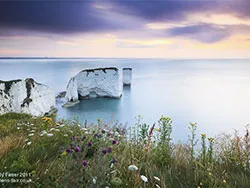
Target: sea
{"x":214,"y":94}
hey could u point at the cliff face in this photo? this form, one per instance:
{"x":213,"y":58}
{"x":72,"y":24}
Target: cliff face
{"x":25,"y":96}
{"x":126,"y":76}
{"x":101,"y":82}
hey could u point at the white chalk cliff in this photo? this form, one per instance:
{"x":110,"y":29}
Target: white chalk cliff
{"x":100,"y":82}
{"x":126,"y":76}
{"x":25,"y":96}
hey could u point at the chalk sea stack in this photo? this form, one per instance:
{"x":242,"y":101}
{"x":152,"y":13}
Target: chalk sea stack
{"x":126,"y":76}
{"x":26,"y":96}
{"x":90,"y":83}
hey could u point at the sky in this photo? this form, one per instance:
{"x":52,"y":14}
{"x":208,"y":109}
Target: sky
{"x":125,"y":28}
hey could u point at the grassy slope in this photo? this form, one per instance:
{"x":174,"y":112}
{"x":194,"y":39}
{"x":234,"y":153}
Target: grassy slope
{"x":52,"y":160}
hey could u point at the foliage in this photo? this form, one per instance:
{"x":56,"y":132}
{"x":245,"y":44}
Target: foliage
{"x":64,"y":153}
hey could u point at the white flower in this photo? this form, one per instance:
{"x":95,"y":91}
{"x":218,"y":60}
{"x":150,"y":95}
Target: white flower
{"x":112,"y":165}
{"x":26,"y":140}
{"x":31,"y":134}
{"x":84,"y":129}
{"x":57,"y":130}
{"x":158,"y":186}
{"x":132,"y":167}
{"x":144,"y":178}
{"x":156,"y":178}
{"x":94,"y":180}
{"x":65,"y":135}
{"x":29,"y":143}
{"x":32,"y":131}
{"x":52,"y":129}
{"x":62,"y":125}
{"x":50,"y":134}
{"x":43,"y":132}
{"x":18,"y":127}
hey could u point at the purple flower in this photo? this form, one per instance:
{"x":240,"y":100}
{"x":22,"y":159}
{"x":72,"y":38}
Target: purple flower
{"x":114,"y":142}
{"x":90,"y":144}
{"x":77,"y":149}
{"x":109,"y":150}
{"x":69,"y":150}
{"x":84,"y":163}
{"x":73,"y":138}
{"x":104,"y":151}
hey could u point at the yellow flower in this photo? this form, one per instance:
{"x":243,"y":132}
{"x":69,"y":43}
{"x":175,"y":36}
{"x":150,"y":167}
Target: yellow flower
{"x":224,"y":181}
{"x":203,"y":135}
{"x":158,"y":130}
{"x":198,"y":186}
{"x":210,"y":174}
{"x":64,"y":153}
{"x":210,"y":139}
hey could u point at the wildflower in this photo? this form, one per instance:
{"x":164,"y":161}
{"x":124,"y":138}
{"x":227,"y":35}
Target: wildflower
{"x":210,"y":174}
{"x":84,"y":129}
{"x":26,"y":140}
{"x":90,"y":144}
{"x":43,"y":132}
{"x":132,"y":168}
{"x":84,"y":163}
{"x":31,"y":134}
{"x":109,"y":150}
{"x":32,"y":131}
{"x":94,"y":180}
{"x":50,"y":134}
{"x":104,"y":151}
{"x":61,"y":125}
{"x":114,"y":142}
{"x":157,"y":130}
{"x":65,"y":135}
{"x":77,"y":149}
{"x":224,"y":181}
{"x":198,"y":186}
{"x":73,"y":138}
{"x":210,"y":139}
{"x":156,"y":178}
{"x":64,"y":153}
{"x":29,"y":143}
{"x":144,"y":178}
{"x":18,"y":128}
{"x":57,"y":130}
{"x":112,"y":165}
{"x":158,"y":186}
{"x":203,"y":135}
{"x":52,"y":129}
{"x":69,"y":150}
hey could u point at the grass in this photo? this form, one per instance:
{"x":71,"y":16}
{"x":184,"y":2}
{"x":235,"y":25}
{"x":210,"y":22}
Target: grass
{"x":44,"y":152}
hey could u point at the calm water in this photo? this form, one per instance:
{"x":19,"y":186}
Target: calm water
{"x":213,"y":93}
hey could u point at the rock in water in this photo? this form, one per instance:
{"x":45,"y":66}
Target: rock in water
{"x":126,"y":76}
{"x":100,"y":82}
{"x":25,"y":96}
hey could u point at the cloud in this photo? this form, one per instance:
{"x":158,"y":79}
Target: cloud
{"x":204,"y":32}
{"x":53,"y":16}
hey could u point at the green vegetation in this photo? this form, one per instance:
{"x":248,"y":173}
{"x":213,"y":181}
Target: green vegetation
{"x":43,"y":152}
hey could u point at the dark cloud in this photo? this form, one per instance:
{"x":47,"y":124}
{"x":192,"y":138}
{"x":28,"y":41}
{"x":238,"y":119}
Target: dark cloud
{"x":159,"y":10}
{"x":53,"y":16}
{"x":82,"y":16}
{"x":204,"y":32}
